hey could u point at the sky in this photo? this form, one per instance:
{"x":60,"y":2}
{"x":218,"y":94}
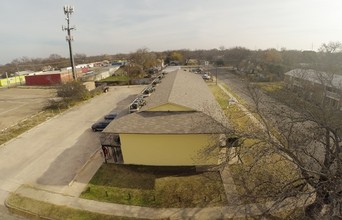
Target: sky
{"x":33,"y":28}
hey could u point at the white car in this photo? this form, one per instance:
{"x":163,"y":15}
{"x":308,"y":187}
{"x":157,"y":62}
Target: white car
{"x":205,"y":76}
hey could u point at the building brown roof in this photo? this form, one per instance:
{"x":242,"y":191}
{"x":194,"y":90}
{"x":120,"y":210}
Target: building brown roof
{"x":179,"y":88}
{"x":182,"y":88}
{"x":166,"y":123}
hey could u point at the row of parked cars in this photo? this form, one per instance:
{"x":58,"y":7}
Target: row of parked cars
{"x":137,"y":104}
{"x":205,"y":75}
{"x":140,"y":101}
{"x":103,"y":123}
{"x":133,"y":107}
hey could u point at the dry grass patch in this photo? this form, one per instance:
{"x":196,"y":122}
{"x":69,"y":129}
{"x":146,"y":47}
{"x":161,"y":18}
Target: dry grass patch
{"x":26,"y":125}
{"x":271,"y":86}
{"x":34,"y":209}
{"x":156,"y":186}
{"x":236,"y":116}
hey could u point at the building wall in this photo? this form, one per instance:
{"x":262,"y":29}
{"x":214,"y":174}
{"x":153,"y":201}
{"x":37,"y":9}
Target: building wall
{"x":43,"y":80}
{"x":168,"y":150}
{"x":11,"y":81}
{"x":66,"y":77}
{"x":316,"y":92}
{"x":89,"y":85}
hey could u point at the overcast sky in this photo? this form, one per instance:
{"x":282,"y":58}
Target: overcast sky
{"x":32,"y":28}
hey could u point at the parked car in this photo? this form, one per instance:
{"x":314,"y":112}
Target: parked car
{"x":100,"y":125}
{"x":140,"y":101}
{"x":156,"y":81}
{"x":133,"y":107}
{"x":102,"y":86}
{"x":205,"y":76}
{"x":111,"y":116}
{"x":148,"y":91}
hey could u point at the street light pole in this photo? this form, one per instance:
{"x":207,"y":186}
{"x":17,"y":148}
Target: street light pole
{"x":68,"y":10}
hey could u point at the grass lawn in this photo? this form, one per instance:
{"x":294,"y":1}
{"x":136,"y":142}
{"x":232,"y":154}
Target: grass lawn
{"x":31,"y":209}
{"x":271,"y":86}
{"x":156,"y":187}
{"x":234,"y":114}
{"x":116,"y":79}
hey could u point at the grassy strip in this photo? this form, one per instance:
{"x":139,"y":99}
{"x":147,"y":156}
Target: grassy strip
{"x":271,"y":86}
{"x":237,"y":117}
{"x":34,"y":209}
{"x":116,"y":79}
{"x":26,"y":125}
{"x":153,"y":187}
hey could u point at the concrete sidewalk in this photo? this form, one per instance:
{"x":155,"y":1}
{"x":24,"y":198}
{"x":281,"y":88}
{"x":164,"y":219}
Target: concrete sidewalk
{"x":141,"y":212}
{"x":226,"y":212}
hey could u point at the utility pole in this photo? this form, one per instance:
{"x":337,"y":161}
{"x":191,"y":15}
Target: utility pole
{"x":216,"y":74}
{"x":68,"y":10}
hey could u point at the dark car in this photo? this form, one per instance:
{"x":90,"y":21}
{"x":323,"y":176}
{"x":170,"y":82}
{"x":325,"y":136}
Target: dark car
{"x":100,"y":125}
{"x":111,"y":116}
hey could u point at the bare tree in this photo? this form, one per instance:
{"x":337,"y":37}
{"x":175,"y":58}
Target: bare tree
{"x":330,"y":47}
{"x":306,"y":132}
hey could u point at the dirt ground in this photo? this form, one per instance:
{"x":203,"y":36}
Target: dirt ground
{"x":16,"y":104}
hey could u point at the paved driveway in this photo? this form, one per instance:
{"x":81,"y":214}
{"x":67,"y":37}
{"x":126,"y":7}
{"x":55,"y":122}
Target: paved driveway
{"x":49,"y":155}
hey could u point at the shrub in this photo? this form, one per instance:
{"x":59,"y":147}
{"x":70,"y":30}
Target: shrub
{"x":75,"y":91}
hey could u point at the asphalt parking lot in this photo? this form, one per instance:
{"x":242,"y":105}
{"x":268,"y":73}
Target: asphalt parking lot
{"x":17,"y":104}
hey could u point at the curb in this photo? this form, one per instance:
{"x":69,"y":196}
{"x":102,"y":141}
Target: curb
{"x":84,"y":166}
{"x":24,"y":213}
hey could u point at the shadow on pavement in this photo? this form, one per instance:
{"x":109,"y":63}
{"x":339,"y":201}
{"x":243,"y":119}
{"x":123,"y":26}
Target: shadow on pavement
{"x":66,"y":165}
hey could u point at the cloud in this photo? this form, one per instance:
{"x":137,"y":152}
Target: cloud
{"x":33,"y":28}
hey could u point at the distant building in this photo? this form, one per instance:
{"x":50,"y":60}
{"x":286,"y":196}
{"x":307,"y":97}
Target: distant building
{"x":24,"y":73}
{"x":12,"y":81}
{"x":119,"y":62}
{"x":48,"y":78}
{"x":316,"y":86}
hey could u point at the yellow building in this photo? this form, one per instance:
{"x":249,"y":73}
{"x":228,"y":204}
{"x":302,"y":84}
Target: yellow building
{"x":12,"y":81}
{"x":180,"y":125}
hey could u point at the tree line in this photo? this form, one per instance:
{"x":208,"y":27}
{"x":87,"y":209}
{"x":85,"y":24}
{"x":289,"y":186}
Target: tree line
{"x":260,"y":65}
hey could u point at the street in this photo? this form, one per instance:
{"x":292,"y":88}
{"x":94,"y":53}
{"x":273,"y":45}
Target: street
{"x":49,"y":155}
